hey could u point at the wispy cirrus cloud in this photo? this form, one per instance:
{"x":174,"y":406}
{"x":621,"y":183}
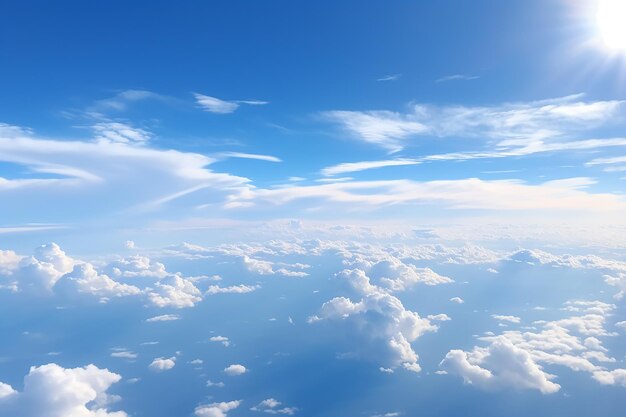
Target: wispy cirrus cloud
{"x":457,"y":77}
{"x":390,"y":77}
{"x":219,"y":106}
{"x":508,"y":124}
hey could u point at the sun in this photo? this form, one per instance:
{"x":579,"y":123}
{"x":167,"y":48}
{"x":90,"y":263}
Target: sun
{"x":611,"y":20}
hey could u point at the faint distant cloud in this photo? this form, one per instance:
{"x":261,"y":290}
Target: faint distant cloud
{"x":391,"y":77}
{"x":121,"y":100}
{"x":457,"y":77}
{"x":242,"y":155}
{"x":219,"y":106}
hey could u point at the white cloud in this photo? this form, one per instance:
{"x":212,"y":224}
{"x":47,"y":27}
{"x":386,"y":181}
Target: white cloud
{"x":116,"y":132}
{"x":471,"y":193}
{"x":512,"y":124}
{"x":383,"y":128}
{"x":273,"y":406}
{"x":457,"y":300}
{"x":210,"y":383}
{"x":175,"y":291}
{"x":124,"y":354}
{"x":510,"y":319}
{"x":621,"y":324}
{"x":216,"y":409}
{"x":242,"y":155}
{"x":457,"y":77}
{"x":220,"y":339}
{"x":215,"y":105}
{"x":53,"y":391}
{"x":235,"y":289}
{"x":346,"y":167}
{"x":618,"y":281}
{"x":501,"y":365}
{"x":385,"y":326}
{"x":164,"y":317}
{"x":85,"y":279}
{"x":391,"y":77}
{"x":235,"y":369}
{"x":162,"y":364}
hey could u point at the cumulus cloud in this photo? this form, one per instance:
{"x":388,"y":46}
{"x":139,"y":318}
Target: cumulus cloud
{"x":175,"y":291}
{"x":501,"y":365}
{"x":53,"y":391}
{"x":235,"y":370}
{"x":385,"y":327}
{"x":162,"y":364}
{"x":220,"y":339}
{"x":273,"y":406}
{"x":457,"y":300}
{"x":216,"y":409}
{"x":514,"y":359}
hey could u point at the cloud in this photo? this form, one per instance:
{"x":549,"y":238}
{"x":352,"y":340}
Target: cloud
{"x":382,"y":128}
{"x":175,"y":292}
{"x":514,"y":359}
{"x":471,"y":193}
{"x":123,"y":99}
{"x":164,"y":317}
{"x":116,"y":132}
{"x":501,"y":365}
{"x":235,"y":370}
{"x":162,"y":364}
{"x":392,"y":77}
{"x":235,"y":289}
{"x":457,"y":300}
{"x":510,"y":319}
{"x":216,"y":409}
{"x":53,"y":391}
{"x":218,"y":106}
{"x":365,"y":165}
{"x":383,"y":328}
{"x":457,"y":77}
{"x":85,"y":279}
{"x":268,"y":158}
{"x":511,"y":125}
{"x":273,"y":406}
{"x":95,"y":178}
{"x":220,"y":339}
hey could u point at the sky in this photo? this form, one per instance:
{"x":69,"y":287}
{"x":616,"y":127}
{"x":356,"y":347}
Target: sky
{"x":330,"y":208}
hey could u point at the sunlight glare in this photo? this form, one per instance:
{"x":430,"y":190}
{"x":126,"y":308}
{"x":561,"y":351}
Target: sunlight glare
{"x":611,"y":20}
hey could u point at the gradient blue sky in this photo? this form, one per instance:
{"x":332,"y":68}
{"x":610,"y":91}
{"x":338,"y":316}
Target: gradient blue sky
{"x":380,"y":204}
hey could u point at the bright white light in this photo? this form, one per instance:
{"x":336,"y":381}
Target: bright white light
{"x":611,"y":20}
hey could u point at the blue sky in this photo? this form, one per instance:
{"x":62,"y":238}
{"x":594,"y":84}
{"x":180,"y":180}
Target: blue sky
{"x":323,"y":208}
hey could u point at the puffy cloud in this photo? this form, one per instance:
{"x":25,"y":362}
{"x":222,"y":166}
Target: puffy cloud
{"x":216,"y":409}
{"x":273,"y":406}
{"x":85,"y":279}
{"x":618,"y":281}
{"x":175,"y":291}
{"x":40,"y":272}
{"x":615,"y":377}
{"x":162,"y":364}
{"x":53,"y":391}
{"x":457,"y":300}
{"x":501,"y":365}
{"x":210,"y":383}
{"x":393,"y":274}
{"x":220,"y":339}
{"x":570,"y":342}
{"x":379,"y":319}
{"x":235,"y":369}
